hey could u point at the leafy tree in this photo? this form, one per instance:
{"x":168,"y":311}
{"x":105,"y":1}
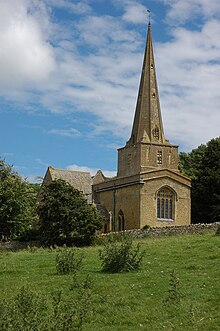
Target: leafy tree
{"x":65,"y":216}
{"x":17,"y":203}
{"x":190,"y":163}
{"x":202,"y":165}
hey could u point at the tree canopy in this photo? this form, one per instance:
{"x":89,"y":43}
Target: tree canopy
{"x":17,"y":203}
{"x":202,"y":165}
{"x":65,"y":216}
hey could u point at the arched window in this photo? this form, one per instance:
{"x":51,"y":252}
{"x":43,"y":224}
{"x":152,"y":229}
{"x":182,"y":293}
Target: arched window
{"x":121,"y":221}
{"x":156,"y":132}
{"x":165,"y":204}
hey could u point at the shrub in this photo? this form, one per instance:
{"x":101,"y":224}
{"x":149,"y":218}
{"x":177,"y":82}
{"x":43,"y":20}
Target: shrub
{"x":31,"y":234}
{"x":146,"y":227}
{"x":67,"y":261}
{"x":121,"y":257}
{"x":17,"y":203}
{"x":66,"y":217}
{"x":26,"y":311}
{"x":218,"y":230}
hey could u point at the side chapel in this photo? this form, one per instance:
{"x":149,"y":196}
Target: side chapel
{"x":148,"y":189}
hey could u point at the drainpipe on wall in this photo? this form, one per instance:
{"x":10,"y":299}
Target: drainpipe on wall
{"x":114,"y":202}
{"x":110,"y":221}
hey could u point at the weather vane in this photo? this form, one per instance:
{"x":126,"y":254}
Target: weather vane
{"x":148,"y":10}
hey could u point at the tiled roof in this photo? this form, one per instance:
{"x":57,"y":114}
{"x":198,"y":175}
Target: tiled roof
{"x":78,"y":179}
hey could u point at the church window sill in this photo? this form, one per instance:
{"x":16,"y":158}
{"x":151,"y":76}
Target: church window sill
{"x":165,"y":220}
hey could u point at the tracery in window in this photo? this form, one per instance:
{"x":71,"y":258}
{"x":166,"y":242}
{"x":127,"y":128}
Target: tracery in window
{"x":155,"y":133}
{"x":165,"y":204}
{"x":159,"y":157}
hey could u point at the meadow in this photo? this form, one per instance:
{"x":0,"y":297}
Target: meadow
{"x":176,"y":288}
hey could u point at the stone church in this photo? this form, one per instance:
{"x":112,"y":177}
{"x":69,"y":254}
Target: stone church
{"x":148,"y":189}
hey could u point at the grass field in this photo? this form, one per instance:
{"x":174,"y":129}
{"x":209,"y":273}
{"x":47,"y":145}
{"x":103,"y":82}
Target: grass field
{"x":135,"y":300}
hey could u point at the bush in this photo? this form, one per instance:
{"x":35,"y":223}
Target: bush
{"x":123,"y":257}
{"x":67,"y":261}
{"x":28,"y":311}
{"x":66,"y":217}
{"x":218,"y":230}
{"x":17,"y":203}
{"x":24,"y":312}
{"x":30,"y":235}
{"x":146,"y":227}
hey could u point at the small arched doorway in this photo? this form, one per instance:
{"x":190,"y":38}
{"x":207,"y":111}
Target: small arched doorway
{"x":121,"y":221}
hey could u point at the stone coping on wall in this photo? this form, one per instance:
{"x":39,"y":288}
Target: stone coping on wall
{"x":16,"y":245}
{"x":169,"y":230}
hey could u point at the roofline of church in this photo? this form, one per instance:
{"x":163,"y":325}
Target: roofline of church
{"x":82,"y":172}
{"x":138,"y":179}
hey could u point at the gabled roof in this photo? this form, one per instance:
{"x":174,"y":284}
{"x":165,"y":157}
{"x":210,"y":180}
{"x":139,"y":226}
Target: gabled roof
{"x":80,"y":180}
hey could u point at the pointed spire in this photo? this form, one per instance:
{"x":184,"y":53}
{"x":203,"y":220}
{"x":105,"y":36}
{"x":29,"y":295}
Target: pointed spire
{"x":147,"y":125}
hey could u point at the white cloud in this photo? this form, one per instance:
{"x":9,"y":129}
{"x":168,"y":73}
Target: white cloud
{"x":189,"y":80}
{"x":93,"y":171}
{"x":72,"y":133}
{"x":135,"y":13}
{"x":80,"y":7}
{"x":103,"y":79}
{"x":26,"y":57}
{"x":181,"y":11}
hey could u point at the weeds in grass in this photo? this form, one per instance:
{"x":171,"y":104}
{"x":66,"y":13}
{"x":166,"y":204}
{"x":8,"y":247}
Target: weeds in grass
{"x":76,"y":283}
{"x":121,"y":257}
{"x":24,"y":312}
{"x":67,"y":261}
{"x":27,"y":311}
{"x":173,"y":294}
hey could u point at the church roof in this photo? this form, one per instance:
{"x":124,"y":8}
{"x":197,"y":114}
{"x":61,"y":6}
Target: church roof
{"x":78,"y":179}
{"x":147,"y":125}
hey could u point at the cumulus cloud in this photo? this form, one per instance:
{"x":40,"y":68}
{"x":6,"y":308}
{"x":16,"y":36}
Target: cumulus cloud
{"x":26,"y":56}
{"x":189,"y":71}
{"x":181,"y":11}
{"x":93,"y":171}
{"x":94,"y":65}
{"x":135,"y":13}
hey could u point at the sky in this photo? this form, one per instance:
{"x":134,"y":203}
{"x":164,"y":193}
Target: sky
{"x":70,"y":71}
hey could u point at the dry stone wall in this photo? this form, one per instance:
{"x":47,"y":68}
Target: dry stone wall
{"x":171,"y":230}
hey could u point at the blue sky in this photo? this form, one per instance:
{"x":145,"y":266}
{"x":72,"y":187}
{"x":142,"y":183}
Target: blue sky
{"x":70,"y":70}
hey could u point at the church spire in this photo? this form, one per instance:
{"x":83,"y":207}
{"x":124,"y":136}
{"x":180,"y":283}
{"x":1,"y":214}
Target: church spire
{"x":147,"y":125}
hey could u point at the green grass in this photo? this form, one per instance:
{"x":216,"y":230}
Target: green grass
{"x":135,"y":300}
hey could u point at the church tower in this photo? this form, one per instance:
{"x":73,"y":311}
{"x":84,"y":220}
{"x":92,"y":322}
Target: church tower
{"x":148,"y":189}
{"x":147,"y":147}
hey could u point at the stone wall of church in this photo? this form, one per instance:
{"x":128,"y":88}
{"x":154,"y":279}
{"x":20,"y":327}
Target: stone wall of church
{"x":140,"y":157}
{"x":159,"y":156}
{"x":124,"y":200}
{"x":136,"y":198}
{"x":129,"y":159}
{"x":181,"y":206}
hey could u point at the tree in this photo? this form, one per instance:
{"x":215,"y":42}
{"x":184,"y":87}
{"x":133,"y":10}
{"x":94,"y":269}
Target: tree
{"x":202,"y":165}
{"x":190,"y":163}
{"x":17,"y":203}
{"x":65,"y":216}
